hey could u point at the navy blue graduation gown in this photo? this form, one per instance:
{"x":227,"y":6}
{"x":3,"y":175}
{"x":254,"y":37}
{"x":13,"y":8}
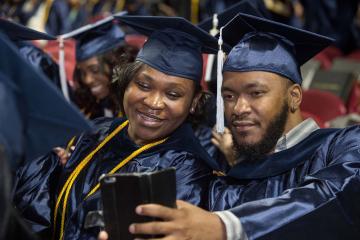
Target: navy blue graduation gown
{"x":63,"y":19}
{"x":333,"y":18}
{"x":310,"y":191}
{"x":39,"y":182}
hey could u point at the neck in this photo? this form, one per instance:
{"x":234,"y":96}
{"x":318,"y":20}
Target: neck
{"x":293,"y":120}
{"x":138,"y":141}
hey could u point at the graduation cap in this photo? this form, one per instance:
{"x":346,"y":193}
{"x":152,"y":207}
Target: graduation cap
{"x":17,"y":32}
{"x":174,"y":46}
{"x":97,"y":38}
{"x":225,"y":16}
{"x":35,"y":116}
{"x":264,"y":45}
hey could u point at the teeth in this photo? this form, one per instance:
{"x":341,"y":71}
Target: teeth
{"x":96,"y":88}
{"x":149,"y":118}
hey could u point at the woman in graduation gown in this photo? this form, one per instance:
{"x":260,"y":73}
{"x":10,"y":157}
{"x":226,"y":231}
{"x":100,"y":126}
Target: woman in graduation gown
{"x":99,"y":48}
{"x":161,"y":92}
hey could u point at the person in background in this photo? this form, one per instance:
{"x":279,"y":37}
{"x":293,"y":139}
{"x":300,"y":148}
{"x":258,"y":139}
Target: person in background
{"x":159,"y":93}
{"x":291,"y":176}
{"x":334,"y":18}
{"x":98,"y":50}
{"x":31,"y":53}
{"x":32,"y":113}
{"x":65,"y":16}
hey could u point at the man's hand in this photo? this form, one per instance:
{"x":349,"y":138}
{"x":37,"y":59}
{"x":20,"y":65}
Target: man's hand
{"x":185,"y":222}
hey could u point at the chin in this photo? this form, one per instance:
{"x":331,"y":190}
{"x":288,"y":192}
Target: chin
{"x":247,"y":139}
{"x":147,"y":134}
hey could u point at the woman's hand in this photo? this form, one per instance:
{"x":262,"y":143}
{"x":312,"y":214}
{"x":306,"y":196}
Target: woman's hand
{"x":225,"y":144}
{"x":62,"y":154}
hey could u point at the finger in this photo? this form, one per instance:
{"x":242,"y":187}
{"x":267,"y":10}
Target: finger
{"x":215,"y":142}
{"x":162,"y":238}
{"x":103,"y":235}
{"x":59,"y":150}
{"x":152,"y":228}
{"x":226,"y":130}
{"x":216,"y":135}
{"x":155,"y":210}
{"x":181,"y":204}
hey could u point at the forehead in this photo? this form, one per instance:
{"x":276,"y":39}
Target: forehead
{"x":254,"y":78}
{"x":157,"y":77}
{"x":88,"y":62}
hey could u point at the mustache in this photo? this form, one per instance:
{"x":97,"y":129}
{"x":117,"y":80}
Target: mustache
{"x":243,"y":119}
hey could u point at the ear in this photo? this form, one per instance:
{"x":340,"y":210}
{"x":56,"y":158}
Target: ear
{"x":195,"y":102}
{"x":295,"y":97}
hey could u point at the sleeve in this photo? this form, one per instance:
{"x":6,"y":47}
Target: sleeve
{"x":33,"y":191}
{"x":325,"y":206}
{"x":233,"y":227}
{"x":192,"y":179}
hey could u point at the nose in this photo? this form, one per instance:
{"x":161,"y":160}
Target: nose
{"x":154,"y":101}
{"x":88,"y":79}
{"x":242,"y":107}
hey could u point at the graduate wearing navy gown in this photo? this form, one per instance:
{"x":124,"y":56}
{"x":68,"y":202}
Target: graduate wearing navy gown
{"x":32,"y":112}
{"x":292,"y":180}
{"x":59,"y":201}
{"x":312,"y":174}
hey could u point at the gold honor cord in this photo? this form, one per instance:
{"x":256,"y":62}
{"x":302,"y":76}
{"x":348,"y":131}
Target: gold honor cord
{"x":126,"y":160}
{"x":81,"y":166}
{"x":69,"y":145}
{"x":76,"y":172}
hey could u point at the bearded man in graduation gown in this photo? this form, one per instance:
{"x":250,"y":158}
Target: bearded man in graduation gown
{"x":293,"y":180}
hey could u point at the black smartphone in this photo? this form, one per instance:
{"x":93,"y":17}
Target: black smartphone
{"x":122,"y":193}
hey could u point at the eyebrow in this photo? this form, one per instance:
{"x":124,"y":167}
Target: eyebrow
{"x":147,"y":76}
{"x":254,"y":85}
{"x":247,"y":86}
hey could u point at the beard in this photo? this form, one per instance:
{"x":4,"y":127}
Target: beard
{"x":259,"y":150}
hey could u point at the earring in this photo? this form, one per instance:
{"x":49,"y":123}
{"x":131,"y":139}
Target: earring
{"x":293,"y":109}
{"x":192,"y":110}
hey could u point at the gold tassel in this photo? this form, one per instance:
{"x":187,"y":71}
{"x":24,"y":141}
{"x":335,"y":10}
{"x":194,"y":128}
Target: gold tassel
{"x":194,"y":11}
{"x":48,"y":5}
{"x":120,"y":4}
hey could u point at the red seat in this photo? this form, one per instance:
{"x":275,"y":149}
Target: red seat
{"x":325,"y":105}
{"x":52,"y":48}
{"x":353,"y":104}
{"x":355,"y":55}
{"x":135,"y":40}
{"x":326,"y":56}
{"x":321,"y":124}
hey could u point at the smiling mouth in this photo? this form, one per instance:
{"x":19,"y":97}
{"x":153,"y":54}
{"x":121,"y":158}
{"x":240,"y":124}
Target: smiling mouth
{"x":96,"y":89}
{"x":149,"y":119}
{"x":241,"y":126}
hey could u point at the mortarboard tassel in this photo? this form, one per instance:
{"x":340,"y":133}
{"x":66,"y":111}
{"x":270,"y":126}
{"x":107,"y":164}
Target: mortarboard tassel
{"x":63,"y":84}
{"x":211,"y":57}
{"x":219,"y":99}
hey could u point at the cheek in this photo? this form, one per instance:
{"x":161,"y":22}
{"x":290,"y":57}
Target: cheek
{"x":130,"y":97}
{"x":268,"y":109}
{"x":228,"y":108}
{"x":178,"y":110}
{"x":104,"y":79}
